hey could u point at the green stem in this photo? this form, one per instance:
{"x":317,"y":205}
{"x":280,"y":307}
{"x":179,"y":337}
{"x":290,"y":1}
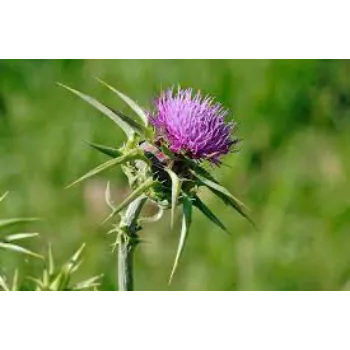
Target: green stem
{"x":127,"y":244}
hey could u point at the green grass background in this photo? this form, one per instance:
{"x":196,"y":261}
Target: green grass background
{"x":292,"y":171}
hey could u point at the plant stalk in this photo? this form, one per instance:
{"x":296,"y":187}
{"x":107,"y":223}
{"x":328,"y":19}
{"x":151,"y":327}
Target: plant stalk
{"x":127,"y":244}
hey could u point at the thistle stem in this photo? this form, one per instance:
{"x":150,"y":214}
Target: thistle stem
{"x":127,"y":244}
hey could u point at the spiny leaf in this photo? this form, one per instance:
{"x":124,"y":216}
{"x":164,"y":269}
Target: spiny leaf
{"x":3,"y":196}
{"x":62,"y":280}
{"x":175,"y":192}
{"x":40,"y":284}
{"x":72,"y":265}
{"x":57,"y":283}
{"x":46,"y":277}
{"x":199,"y":171}
{"x":132,"y":104}
{"x":135,"y":194}
{"x":225,"y":196}
{"x":15,"y":221}
{"x":104,"y":166}
{"x":113,"y":230}
{"x":234,"y":205}
{"x":215,"y":186}
{"x":19,"y":236}
{"x":129,"y":131}
{"x":89,"y":283}
{"x":76,"y":256}
{"x":3,"y":284}
{"x":15,"y":285}
{"x":140,"y":129}
{"x":109,"y":151}
{"x":108,"y":196}
{"x":186,"y":222}
{"x":77,"y":266}
{"x":208,"y":213}
{"x":51,"y":261}
{"x":18,"y":249}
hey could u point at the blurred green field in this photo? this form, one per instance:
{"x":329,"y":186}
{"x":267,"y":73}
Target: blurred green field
{"x":292,"y":171}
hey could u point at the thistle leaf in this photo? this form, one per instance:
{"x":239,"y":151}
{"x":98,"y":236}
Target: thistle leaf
{"x":15,"y":285}
{"x":128,"y":129}
{"x":46,"y":277}
{"x":140,"y":129}
{"x":231,"y":202}
{"x":199,"y":171}
{"x":3,"y":284}
{"x":215,"y":186}
{"x":40,"y":284}
{"x":76,"y":256}
{"x":3,"y":196}
{"x":108,"y":196}
{"x":51,"y":261}
{"x":186,"y":222}
{"x":225,"y":196}
{"x":223,"y":191}
{"x":135,"y":194}
{"x":132,"y":104}
{"x":62,"y":280}
{"x":15,"y":221}
{"x":109,"y":151}
{"x":77,"y":266}
{"x":104,"y":166}
{"x":175,"y":192}
{"x":208,"y":213}
{"x":57,"y":283}
{"x":89,"y":283}
{"x":19,"y":236}
{"x":18,"y":249}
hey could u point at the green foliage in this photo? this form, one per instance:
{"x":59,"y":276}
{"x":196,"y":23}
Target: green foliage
{"x":7,"y":286}
{"x":123,"y":123}
{"x":185,"y":227}
{"x":208,"y":213}
{"x":56,"y":278}
{"x":109,"y":151}
{"x":110,"y":163}
{"x":175,"y":193}
{"x":53,"y":278}
{"x":7,"y":240}
{"x":132,"y":104}
{"x":224,"y":195}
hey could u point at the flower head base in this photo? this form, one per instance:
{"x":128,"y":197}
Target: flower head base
{"x":192,"y":125}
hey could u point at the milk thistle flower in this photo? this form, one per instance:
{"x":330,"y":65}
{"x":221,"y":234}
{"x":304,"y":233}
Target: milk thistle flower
{"x":163,"y":160}
{"x":193,"y":125}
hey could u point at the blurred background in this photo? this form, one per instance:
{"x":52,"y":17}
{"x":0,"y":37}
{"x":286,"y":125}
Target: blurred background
{"x":293,"y":171}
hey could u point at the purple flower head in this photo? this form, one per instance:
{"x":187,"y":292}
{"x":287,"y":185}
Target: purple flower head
{"x":193,"y":125}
